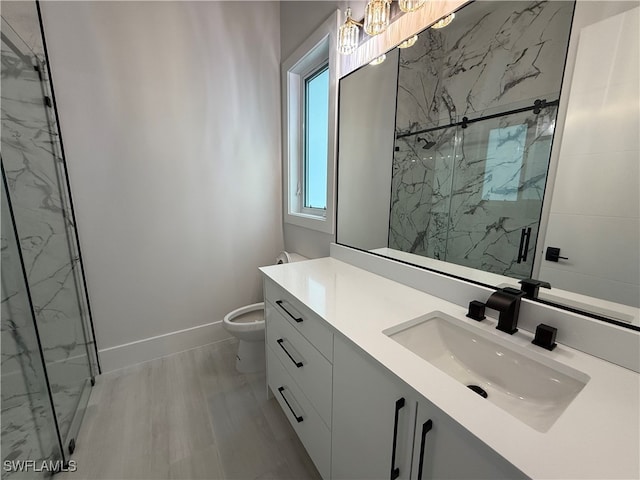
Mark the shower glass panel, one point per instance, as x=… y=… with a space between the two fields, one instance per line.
x=421 y=186
x=28 y=426
x=472 y=195
x=37 y=191
x=500 y=174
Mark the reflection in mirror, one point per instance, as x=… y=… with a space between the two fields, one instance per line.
x=445 y=147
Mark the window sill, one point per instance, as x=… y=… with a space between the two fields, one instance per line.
x=312 y=222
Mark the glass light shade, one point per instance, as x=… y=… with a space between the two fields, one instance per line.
x=410 y=5
x=378 y=60
x=348 y=35
x=443 y=22
x=376 y=16
x=409 y=42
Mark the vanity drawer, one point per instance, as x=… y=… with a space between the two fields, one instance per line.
x=301 y=317
x=311 y=371
x=310 y=428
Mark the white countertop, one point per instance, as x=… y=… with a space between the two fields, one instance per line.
x=597 y=436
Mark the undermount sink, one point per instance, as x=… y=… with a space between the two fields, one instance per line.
x=529 y=386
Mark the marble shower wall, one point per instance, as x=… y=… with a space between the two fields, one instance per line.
x=464 y=194
x=46 y=234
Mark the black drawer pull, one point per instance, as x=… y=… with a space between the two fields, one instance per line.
x=297 y=319
x=280 y=342
x=426 y=427
x=281 y=390
x=395 y=471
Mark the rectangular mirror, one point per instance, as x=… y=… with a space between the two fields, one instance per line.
x=450 y=159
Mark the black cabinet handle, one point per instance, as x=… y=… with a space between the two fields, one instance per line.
x=298 y=418
x=297 y=319
x=395 y=471
x=426 y=428
x=280 y=342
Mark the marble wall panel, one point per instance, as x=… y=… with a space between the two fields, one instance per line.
x=493 y=57
x=421 y=190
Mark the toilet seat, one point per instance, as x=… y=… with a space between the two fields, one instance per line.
x=245 y=329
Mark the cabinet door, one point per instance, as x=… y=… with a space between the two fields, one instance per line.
x=371 y=408
x=443 y=449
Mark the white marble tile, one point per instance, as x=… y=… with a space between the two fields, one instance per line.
x=599 y=64
x=583 y=174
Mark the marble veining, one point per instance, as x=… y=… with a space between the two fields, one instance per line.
x=494 y=56
x=31 y=156
x=464 y=194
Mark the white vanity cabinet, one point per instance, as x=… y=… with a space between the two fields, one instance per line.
x=444 y=449
x=371 y=408
x=375 y=414
x=299 y=349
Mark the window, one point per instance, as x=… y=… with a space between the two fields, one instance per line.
x=503 y=167
x=309 y=123
x=316 y=140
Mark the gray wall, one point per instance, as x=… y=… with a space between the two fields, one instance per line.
x=167 y=112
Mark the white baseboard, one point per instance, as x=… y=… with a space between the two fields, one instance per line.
x=120 y=356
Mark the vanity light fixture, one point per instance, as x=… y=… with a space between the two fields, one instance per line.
x=410 y=5
x=376 y=16
x=348 y=35
x=409 y=42
x=443 y=22
x=378 y=60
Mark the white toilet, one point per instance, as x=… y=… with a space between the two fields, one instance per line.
x=247 y=325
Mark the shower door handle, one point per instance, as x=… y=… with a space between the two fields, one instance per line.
x=525 y=236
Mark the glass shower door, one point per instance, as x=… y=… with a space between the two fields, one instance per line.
x=43 y=221
x=28 y=427
x=499 y=181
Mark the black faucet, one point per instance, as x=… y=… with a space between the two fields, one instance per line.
x=507 y=302
x=530 y=287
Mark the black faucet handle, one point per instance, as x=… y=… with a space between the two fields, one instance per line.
x=531 y=286
x=476 y=310
x=545 y=336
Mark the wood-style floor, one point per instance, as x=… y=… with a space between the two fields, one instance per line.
x=188 y=416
